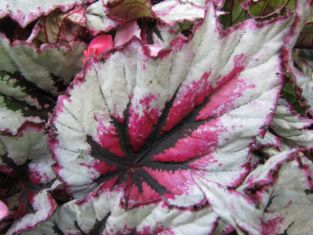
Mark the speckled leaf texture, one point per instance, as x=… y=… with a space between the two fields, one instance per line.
x=42 y=66
x=154 y=126
x=26 y=162
x=172 y=123
x=32 y=74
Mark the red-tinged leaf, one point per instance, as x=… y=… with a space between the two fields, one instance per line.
x=44 y=207
x=156 y=123
x=26 y=165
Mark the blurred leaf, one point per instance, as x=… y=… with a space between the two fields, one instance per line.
x=234 y=13
x=305 y=39
x=127 y=10
x=237 y=11
x=292 y=94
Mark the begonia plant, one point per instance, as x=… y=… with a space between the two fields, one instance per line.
x=156 y=117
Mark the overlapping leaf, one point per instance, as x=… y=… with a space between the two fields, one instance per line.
x=281 y=188
x=294 y=129
x=25 y=12
x=304 y=76
x=162 y=134
x=107 y=15
x=26 y=160
x=152 y=125
x=45 y=66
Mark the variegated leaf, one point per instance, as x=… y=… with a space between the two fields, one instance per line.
x=153 y=123
x=43 y=66
x=294 y=129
